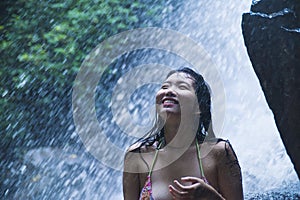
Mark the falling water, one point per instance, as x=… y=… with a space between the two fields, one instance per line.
x=73 y=172
x=249 y=123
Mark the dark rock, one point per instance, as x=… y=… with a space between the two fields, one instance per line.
x=273 y=6
x=272 y=36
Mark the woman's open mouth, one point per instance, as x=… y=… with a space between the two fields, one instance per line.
x=166 y=102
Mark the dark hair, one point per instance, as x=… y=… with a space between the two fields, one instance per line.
x=156 y=134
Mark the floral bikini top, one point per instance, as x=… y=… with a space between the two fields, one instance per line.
x=146 y=193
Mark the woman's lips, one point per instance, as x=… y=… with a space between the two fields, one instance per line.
x=169 y=102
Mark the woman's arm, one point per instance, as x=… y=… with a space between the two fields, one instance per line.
x=229 y=172
x=131 y=181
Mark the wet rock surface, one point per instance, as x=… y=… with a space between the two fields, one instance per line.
x=271 y=33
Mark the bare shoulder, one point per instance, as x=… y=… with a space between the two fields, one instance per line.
x=222 y=149
x=222 y=146
x=134 y=152
x=136 y=158
x=227 y=158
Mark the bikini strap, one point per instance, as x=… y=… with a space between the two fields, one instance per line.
x=199 y=159
x=154 y=160
x=198 y=154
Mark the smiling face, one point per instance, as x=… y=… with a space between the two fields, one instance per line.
x=177 y=96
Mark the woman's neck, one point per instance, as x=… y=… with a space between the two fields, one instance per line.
x=179 y=135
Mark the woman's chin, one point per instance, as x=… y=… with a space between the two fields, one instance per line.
x=169 y=114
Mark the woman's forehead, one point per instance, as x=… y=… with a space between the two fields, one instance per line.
x=181 y=77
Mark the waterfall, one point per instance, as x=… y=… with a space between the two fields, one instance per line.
x=83 y=172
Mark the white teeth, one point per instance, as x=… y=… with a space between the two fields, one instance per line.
x=169 y=101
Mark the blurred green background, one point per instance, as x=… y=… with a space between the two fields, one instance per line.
x=43 y=44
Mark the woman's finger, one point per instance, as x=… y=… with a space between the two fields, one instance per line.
x=177 y=194
x=179 y=185
x=186 y=187
x=191 y=179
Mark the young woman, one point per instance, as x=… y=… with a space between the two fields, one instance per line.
x=178 y=159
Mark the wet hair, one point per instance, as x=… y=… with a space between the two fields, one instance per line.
x=156 y=134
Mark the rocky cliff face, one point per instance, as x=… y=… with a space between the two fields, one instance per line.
x=271 y=32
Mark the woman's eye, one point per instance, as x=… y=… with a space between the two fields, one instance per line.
x=184 y=87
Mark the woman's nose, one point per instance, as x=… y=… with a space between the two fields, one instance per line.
x=169 y=92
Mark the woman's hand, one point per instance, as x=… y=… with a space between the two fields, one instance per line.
x=197 y=189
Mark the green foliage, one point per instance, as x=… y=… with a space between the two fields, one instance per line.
x=43 y=44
